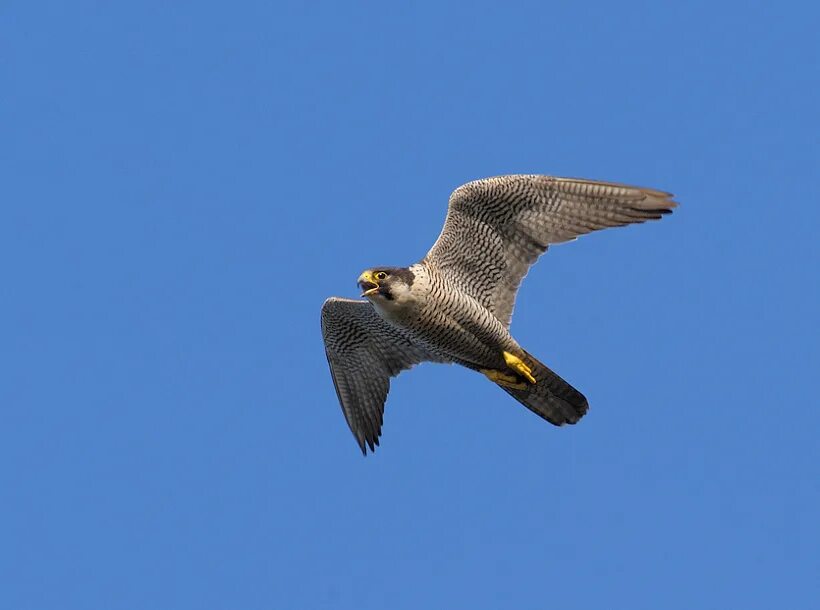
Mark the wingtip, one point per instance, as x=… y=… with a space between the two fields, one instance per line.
x=365 y=443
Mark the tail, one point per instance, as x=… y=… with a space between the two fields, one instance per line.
x=550 y=397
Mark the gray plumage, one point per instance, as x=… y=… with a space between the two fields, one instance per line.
x=456 y=304
x=364 y=352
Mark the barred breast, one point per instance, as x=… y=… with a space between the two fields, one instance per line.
x=452 y=324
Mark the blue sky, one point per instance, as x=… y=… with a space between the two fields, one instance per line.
x=183 y=184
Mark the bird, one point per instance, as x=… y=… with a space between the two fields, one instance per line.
x=455 y=305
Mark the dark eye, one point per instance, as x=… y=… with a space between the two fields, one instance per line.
x=381 y=275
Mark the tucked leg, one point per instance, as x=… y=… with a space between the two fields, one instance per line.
x=504 y=379
x=516 y=364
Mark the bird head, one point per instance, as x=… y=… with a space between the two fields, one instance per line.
x=385 y=283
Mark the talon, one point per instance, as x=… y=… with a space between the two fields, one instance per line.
x=503 y=379
x=519 y=367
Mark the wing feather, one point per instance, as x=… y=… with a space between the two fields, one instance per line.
x=496 y=228
x=363 y=352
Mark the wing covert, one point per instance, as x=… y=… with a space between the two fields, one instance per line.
x=496 y=228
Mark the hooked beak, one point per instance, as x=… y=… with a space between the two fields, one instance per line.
x=368 y=284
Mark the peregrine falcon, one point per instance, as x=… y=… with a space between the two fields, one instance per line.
x=455 y=305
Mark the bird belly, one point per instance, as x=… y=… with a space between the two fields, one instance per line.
x=470 y=336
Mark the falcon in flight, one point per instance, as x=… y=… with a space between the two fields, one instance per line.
x=455 y=305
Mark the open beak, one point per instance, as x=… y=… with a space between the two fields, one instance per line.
x=368 y=284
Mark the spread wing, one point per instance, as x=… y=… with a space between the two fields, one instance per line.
x=364 y=352
x=496 y=228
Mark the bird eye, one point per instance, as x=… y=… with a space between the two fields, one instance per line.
x=381 y=275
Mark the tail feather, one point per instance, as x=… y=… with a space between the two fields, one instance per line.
x=550 y=397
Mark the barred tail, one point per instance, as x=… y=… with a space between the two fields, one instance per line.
x=550 y=397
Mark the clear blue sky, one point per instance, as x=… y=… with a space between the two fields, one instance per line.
x=183 y=184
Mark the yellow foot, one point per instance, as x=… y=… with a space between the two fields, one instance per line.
x=510 y=381
x=519 y=367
